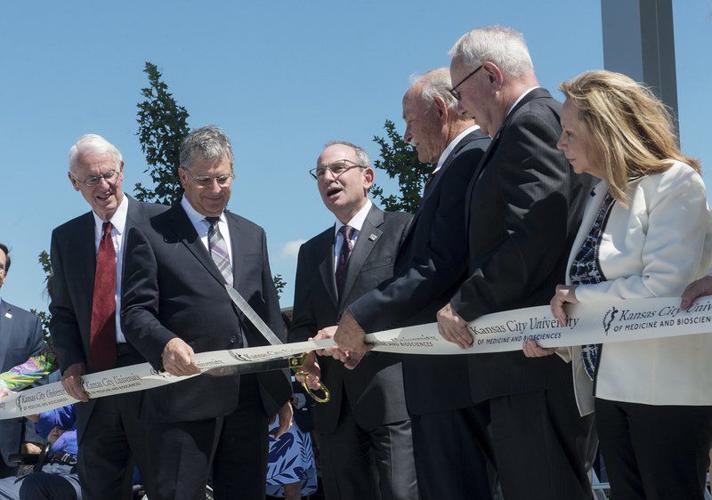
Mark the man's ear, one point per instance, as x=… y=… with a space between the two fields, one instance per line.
x=494 y=74
x=73 y=182
x=368 y=177
x=441 y=107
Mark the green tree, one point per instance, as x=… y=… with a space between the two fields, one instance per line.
x=162 y=126
x=400 y=160
x=43 y=259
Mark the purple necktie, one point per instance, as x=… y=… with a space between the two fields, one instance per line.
x=343 y=262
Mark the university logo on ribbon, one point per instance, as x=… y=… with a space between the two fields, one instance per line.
x=608 y=318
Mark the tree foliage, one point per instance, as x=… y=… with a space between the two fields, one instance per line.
x=162 y=126
x=400 y=160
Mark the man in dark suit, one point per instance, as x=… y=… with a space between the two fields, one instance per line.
x=175 y=304
x=87 y=255
x=20 y=338
x=524 y=205
x=364 y=428
x=430 y=266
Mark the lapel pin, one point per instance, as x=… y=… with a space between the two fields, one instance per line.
x=8 y=315
x=372 y=237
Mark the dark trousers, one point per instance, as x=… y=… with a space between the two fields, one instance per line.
x=113 y=440
x=55 y=482
x=654 y=452
x=233 y=448
x=374 y=464
x=448 y=457
x=539 y=444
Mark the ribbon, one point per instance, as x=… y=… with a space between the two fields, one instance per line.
x=600 y=323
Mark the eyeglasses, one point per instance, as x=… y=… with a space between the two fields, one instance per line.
x=205 y=181
x=94 y=180
x=337 y=168
x=456 y=93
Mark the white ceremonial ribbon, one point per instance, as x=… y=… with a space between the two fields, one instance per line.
x=615 y=321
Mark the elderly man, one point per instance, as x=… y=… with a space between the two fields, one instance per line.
x=175 y=304
x=21 y=342
x=429 y=267
x=87 y=257
x=524 y=206
x=364 y=438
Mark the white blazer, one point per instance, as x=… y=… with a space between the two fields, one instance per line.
x=654 y=247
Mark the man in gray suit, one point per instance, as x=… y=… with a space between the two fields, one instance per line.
x=20 y=338
x=364 y=431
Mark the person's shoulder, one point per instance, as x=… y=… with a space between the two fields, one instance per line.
x=72 y=225
x=242 y=223
x=678 y=177
x=18 y=313
x=150 y=209
x=397 y=217
x=318 y=241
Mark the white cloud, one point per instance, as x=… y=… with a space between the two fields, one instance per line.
x=291 y=249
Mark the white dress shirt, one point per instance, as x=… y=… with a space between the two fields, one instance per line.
x=202 y=226
x=356 y=222
x=453 y=144
x=118 y=230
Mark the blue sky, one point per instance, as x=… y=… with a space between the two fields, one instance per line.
x=280 y=77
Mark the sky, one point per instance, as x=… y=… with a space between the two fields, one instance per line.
x=281 y=78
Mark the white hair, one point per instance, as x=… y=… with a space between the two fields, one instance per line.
x=92 y=143
x=360 y=153
x=503 y=46
x=435 y=83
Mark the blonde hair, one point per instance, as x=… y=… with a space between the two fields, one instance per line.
x=630 y=129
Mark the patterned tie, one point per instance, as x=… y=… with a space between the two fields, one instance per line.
x=343 y=263
x=428 y=183
x=102 y=329
x=218 y=249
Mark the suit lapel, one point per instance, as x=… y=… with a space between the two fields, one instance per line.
x=4 y=308
x=367 y=238
x=186 y=233
x=238 y=247
x=326 y=267
x=86 y=248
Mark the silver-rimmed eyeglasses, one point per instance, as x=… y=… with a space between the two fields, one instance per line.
x=337 y=168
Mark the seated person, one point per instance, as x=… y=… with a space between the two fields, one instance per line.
x=59 y=478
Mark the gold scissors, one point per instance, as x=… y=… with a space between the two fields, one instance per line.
x=296 y=363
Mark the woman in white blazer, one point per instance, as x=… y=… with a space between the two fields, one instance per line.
x=645 y=233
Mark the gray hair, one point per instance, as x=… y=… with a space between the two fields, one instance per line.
x=503 y=46
x=360 y=153
x=208 y=143
x=92 y=143
x=435 y=83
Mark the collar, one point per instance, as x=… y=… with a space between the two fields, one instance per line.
x=196 y=217
x=453 y=144
x=524 y=94
x=357 y=220
x=118 y=220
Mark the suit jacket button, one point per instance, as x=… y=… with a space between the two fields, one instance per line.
x=233 y=339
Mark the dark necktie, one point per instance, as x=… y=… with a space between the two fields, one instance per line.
x=342 y=263
x=102 y=330
x=218 y=249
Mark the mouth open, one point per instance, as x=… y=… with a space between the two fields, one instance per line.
x=333 y=191
x=105 y=196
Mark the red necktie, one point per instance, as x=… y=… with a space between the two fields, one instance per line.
x=102 y=332
x=342 y=263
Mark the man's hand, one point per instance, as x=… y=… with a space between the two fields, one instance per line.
x=350 y=338
x=453 y=328
x=533 y=350
x=564 y=295
x=72 y=381
x=177 y=358
x=4 y=391
x=285 y=414
x=310 y=372
x=695 y=290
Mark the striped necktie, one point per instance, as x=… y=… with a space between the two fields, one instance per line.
x=218 y=249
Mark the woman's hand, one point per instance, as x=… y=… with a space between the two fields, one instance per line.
x=564 y=294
